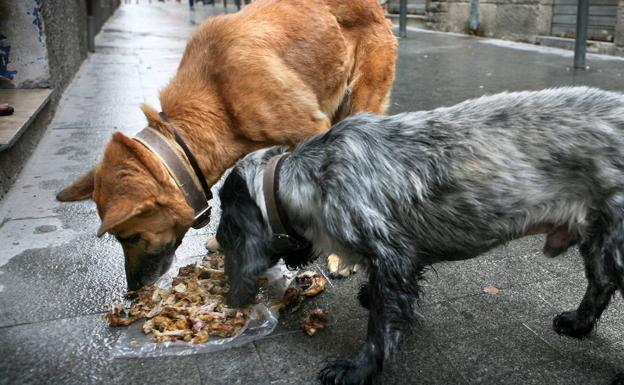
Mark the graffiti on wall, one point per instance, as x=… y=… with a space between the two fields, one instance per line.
x=5 y=52
x=36 y=13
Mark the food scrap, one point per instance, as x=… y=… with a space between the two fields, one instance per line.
x=192 y=310
x=311 y=283
x=306 y=284
x=314 y=320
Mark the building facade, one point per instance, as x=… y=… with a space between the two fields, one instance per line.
x=523 y=20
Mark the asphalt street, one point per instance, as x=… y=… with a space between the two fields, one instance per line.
x=57 y=278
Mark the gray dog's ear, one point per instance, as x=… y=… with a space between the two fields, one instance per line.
x=245 y=240
x=80 y=190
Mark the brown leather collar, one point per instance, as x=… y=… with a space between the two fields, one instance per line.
x=285 y=238
x=186 y=174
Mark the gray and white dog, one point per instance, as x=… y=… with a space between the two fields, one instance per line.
x=397 y=194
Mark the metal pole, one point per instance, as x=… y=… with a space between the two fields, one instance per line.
x=91 y=33
x=238 y=4
x=403 y=18
x=580 y=45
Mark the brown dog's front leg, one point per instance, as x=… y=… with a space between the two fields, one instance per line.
x=212 y=244
x=338 y=268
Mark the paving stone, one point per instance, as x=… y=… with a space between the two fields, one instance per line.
x=67 y=351
x=562 y=293
x=563 y=344
x=297 y=358
x=550 y=373
x=178 y=370
x=518 y=303
x=422 y=366
x=233 y=366
x=484 y=356
x=455 y=279
x=484 y=312
x=440 y=321
x=511 y=271
x=80 y=277
x=599 y=366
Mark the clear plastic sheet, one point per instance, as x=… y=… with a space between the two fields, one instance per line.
x=261 y=322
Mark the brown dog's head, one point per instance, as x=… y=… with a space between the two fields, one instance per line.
x=138 y=203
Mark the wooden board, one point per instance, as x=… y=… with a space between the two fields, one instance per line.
x=27 y=104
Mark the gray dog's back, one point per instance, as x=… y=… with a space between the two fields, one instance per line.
x=479 y=173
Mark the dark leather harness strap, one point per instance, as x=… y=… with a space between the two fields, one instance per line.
x=270 y=186
x=191 y=158
x=285 y=238
x=187 y=178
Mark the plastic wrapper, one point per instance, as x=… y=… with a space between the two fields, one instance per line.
x=261 y=321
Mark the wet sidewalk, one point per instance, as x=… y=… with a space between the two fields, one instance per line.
x=56 y=277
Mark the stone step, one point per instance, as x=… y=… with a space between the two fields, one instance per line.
x=417 y=21
x=27 y=104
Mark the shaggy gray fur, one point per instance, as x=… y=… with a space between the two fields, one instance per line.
x=402 y=192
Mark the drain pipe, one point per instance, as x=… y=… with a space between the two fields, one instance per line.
x=91 y=33
x=474 y=16
x=90 y=27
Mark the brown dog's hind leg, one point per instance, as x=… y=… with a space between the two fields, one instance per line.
x=373 y=73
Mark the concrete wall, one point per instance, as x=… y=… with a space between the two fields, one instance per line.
x=23 y=52
x=101 y=11
x=66 y=35
x=43 y=42
x=516 y=19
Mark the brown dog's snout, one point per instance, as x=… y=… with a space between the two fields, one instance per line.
x=148 y=271
x=134 y=283
x=145 y=268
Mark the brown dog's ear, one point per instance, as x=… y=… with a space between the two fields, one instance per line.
x=119 y=213
x=80 y=190
x=153 y=117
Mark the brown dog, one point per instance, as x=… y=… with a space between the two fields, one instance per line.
x=274 y=74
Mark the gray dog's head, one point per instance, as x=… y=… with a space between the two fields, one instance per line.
x=244 y=233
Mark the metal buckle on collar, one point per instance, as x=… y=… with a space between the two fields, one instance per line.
x=202 y=219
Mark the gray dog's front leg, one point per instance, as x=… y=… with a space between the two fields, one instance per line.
x=391 y=309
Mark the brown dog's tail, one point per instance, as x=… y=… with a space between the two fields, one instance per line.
x=356 y=12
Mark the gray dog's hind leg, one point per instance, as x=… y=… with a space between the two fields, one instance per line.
x=602 y=256
x=619 y=380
